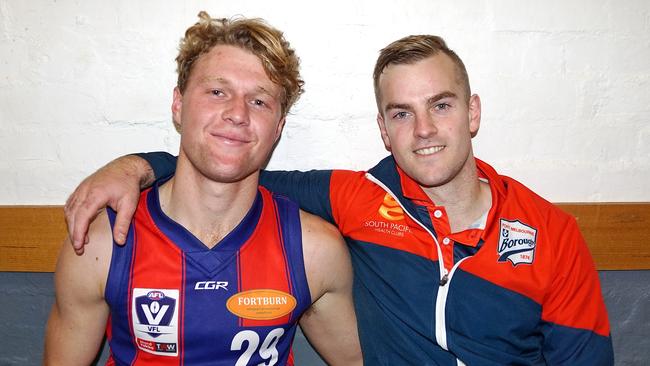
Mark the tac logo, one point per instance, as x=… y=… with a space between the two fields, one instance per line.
x=517 y=242
x=390 y=209
x=155 y=320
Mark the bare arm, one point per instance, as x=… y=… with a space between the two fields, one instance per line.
x=116 y=185
x=330 y=323
x=78 y=318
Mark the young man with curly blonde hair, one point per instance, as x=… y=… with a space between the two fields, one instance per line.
x=215 y=270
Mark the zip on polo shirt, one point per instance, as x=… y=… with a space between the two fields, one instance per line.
x=445 y=277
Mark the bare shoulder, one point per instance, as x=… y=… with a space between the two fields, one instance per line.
x=90 y=269
x=314 y=227
x=100 y=244
x=320 y=238
x=327 y=260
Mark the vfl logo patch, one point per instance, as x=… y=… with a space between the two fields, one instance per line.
x=155 y=320
x=390 y=209
x=517 y=242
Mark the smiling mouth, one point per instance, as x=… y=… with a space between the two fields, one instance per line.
x=429 y=150
x=230 y=139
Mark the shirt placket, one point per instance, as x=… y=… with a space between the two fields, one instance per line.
x=440 y=222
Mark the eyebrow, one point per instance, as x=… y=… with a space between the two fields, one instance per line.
x=431 y=100
x=208 y=79
x=390 y=106
x=263 y=90
x=225 y=81
x=443 y=95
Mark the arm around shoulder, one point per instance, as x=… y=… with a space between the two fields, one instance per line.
x=116 y=185
x=77 y=321
x=330 y=323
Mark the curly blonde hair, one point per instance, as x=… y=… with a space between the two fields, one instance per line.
x=254 y=35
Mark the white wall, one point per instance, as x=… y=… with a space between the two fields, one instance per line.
x=565 y=86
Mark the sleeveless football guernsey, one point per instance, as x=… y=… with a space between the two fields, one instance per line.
x=174 y=301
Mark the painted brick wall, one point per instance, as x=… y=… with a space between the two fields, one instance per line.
x=565 y=86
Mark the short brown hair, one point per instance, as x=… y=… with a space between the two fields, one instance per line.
x=412 y=49
x=279 y=60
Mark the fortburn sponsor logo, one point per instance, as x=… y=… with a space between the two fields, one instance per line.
x=261 y=304
x=517 y=242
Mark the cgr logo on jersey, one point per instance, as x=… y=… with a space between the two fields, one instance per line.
x=211 y=285
x=155 y=320
x=517 y=242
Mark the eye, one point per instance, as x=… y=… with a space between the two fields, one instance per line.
x=400 y=115
x=442 y=107
x=259 y=102
x=216 y=92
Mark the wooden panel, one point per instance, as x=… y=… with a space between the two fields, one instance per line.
x=617 y=234
x=30 y=237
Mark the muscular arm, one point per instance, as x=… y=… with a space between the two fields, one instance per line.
x=77 y=321
x=330 y=323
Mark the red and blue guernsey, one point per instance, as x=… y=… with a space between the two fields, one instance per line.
x=173 y=301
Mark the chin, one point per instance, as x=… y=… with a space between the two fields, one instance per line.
x=229 y=175
x=429 y=181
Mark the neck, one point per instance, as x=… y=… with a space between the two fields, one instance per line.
x=465 y=197
x=207 y=209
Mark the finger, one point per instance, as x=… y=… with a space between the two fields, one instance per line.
x=83 y=215
x=70 y=210
x=123 y=221
x=79 y=251
x=69 y=218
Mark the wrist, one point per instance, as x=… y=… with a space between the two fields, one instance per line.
x=138 y=168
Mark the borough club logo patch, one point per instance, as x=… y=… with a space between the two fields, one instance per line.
x=517 y=242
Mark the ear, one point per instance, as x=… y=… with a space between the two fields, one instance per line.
x=177 y=107
x=382 y=129
x=278 y=130
x=474 y=114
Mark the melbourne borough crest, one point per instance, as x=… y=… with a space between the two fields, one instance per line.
x=517 y=242
x=155 y=320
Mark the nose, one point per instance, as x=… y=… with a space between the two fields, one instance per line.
x=236 y=111
x=425 y=126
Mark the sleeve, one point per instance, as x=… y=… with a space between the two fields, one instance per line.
x=576 y=327
x=162 y=163
x=310 y=190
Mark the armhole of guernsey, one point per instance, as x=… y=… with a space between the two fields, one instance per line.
x=116 y=292
x=121 y=258
x=292 y=234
